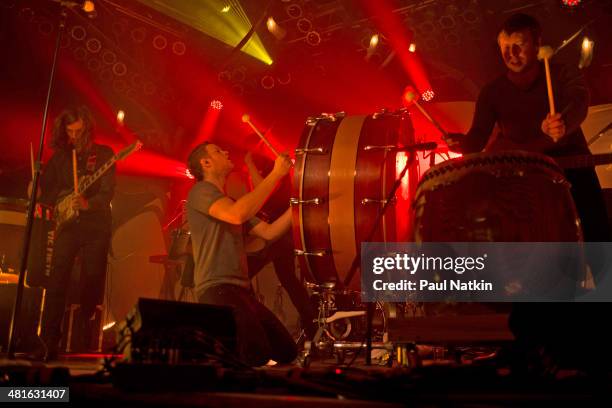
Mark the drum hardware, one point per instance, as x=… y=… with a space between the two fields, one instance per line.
x=296 y=201
x=382 y=112
x=299 y=252
x=330 y=117
x=335 y=324
x=315 y=150
x=379 y=217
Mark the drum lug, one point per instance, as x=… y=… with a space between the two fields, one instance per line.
x=315 y=150
x=296 y=201
x=299 y=252
x=375 y=201
x=330 y=117
x=381 y=112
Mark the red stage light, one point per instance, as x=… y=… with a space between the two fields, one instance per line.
x=409 y=96
x=571 y=3
x=428 y=95
x=216 y=104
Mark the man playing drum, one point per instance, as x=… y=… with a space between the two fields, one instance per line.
x=517 y=102
x=218 y=225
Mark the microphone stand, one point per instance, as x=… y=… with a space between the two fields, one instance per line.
x=25 y=249
x=381 y=213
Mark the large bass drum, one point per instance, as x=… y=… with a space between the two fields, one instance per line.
x=511 y=196
x=344 y=170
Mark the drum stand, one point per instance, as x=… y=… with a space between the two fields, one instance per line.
x=324 y=343
x=375 y=226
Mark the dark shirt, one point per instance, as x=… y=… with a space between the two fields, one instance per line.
x=519 y=111
x=57 y=181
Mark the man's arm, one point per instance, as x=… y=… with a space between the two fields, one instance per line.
x=237 y=212
x=271 y=232
x=482 y=125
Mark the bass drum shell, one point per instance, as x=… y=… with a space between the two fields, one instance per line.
x=342 y=175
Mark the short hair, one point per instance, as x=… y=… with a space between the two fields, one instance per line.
x=193 y=161
x=521 y=21
x=70 y=115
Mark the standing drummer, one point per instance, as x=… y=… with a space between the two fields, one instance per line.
x=517 y=102
x=218 y=226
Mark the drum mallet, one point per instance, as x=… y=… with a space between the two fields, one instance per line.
x=247 y=119
x=411 y=97
x=545 y=53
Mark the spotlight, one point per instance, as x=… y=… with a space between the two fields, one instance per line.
x=226 y=9
x=428 y=95
x=120 y=117
x=108 y=326
x=372 y=46
x=88 y=6
x=270 y=23
x=412 y=47
x=587 y=44
x=274 y=29
x=586 y=52
x=216 y=104
x=374 y=41
x=571 y=3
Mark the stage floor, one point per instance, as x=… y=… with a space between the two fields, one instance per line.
x=437 y=382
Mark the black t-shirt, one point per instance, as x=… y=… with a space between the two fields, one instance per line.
x=519 y=113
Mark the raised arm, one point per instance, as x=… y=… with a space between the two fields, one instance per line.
x=237 y=212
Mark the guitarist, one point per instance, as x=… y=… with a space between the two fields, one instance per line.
x=88 y=235
x=517 y=103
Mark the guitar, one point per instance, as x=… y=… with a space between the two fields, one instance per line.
x=64 y=213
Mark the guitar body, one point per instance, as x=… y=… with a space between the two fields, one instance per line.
x=64 y=213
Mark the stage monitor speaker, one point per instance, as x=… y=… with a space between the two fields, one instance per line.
x=176 y=332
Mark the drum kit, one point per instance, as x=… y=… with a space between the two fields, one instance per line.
x=344 y=193
x=345 y=170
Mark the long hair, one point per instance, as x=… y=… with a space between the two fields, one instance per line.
x=70 y=115
x=193 y=162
